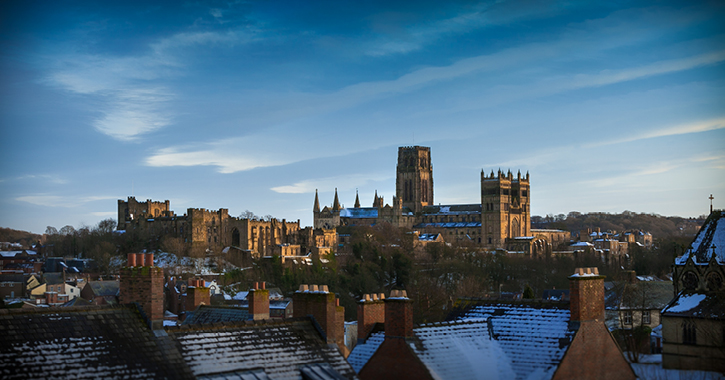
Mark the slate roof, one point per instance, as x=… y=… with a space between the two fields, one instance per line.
x=711 y=234
x=105 y=288
x=78 y=301
x=87 y=343
x=281 y=349
x=53 y=278
x=359 y=212
x=515 y=340
x=696 y=305
x=452 y=209
x=649 y=295
x=449 y=225
x=215 y=314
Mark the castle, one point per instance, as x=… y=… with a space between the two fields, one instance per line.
x=501 y=221
x=212 y=230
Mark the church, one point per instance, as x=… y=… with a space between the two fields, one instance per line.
x=501 y=221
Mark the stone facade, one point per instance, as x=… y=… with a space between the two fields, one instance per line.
x=211 y=230
x=501 y=221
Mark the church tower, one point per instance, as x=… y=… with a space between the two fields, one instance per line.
x=505 y=208
x=414 y=177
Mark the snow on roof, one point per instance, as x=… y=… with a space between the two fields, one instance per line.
x=449 y=225
x=279 y=349
x=469 y=352
x=364 y=351
x=359 y=212
x=711 y=235
x=686 y=302
x=696 y=305
x=582 y=244
x=533 y=337
x=656 y=372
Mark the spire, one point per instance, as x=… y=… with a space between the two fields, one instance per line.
x=357 y=200
x=336 y=203
x=316 y=207
x=375 y=200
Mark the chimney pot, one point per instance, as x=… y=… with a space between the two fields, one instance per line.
x=404 y=294
x=264 y=284
x=313 y=288
x=381 y=296
x=375 y=297
x=303 y=288
x=337 y=302
x=366 y=297
x=150 y=260
x=589 y=270
x=256 y=285
x=324 y=288
x=131 y=260
x=596 y=271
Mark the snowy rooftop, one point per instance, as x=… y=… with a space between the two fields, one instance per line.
x=696 y=305
x=470 y=209
x=359 y=212
x=428 y=237
x=711 y=237
x=88 y=343
x=449 y=225
x=500 y=340
x=278 y=350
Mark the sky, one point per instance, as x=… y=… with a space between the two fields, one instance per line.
x=254 y=105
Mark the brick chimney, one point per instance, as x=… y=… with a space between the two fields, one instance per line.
x=196 y=294
x=259 y=302
x=586 y=295
x=143 y=283
x=398 y=315
x=370 y=310
x=318 y=302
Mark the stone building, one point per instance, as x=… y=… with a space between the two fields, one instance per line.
x=501 y=221
x=211 y=230
x=693 y=323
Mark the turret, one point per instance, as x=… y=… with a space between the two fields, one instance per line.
x=357 y=200
x=336 y=203
x=316 y=207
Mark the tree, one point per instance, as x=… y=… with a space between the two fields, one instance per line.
x=67 y=230
x=50 y=230
x=106 y=226
x=528 y=292
x=248 y=215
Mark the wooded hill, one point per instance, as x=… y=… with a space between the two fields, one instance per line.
x=25 y=238
x=659 y=226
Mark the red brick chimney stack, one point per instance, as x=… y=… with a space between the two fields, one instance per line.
x=143 y=283
x=259 y=302
x=586 y=294
x=398 y=315
x=196 y=294
x=370 y=310
x=318 y=302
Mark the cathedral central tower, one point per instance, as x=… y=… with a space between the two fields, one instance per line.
x=414 y=177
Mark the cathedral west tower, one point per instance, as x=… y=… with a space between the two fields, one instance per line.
x=414 y=177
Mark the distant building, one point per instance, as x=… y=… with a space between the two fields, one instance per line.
x=501 y=221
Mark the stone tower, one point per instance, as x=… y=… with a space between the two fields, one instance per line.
x=414 y=177
x=505 y=208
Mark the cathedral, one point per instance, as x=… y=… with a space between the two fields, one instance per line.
x=501 y=221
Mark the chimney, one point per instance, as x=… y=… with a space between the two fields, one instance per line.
x=369 y=312
x=259 y=302
x=317 y=302
x=586 y=295
x=196 y=294
x=398 y=315
x=143 y=283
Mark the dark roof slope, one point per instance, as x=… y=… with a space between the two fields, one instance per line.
x=105 y=288
x=280 y=349
x=100 y=342
x=215 y=314
x=708 y=241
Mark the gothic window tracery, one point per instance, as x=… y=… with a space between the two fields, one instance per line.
x=689 y=281
x=714 y=282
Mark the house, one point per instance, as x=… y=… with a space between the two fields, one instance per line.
x=492 y=339
x=634 y=303
x=12 y=285
x=693 y=323
x=125 y=341
x=101 y=292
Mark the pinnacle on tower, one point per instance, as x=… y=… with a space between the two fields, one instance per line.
x=316 y=208
x=336 y=203
x=375 y=200
x=357 y=200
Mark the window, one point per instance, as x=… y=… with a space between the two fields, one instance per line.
x=628 y=318
x=646 y=318
x=689 y=333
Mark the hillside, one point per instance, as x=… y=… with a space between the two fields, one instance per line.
x=659 y=226
x=25 y=238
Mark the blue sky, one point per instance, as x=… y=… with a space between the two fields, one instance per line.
x=252 y=106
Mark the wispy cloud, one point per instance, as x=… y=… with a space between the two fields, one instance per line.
x=348 y=182
x=682 y=129
x=48 y=178
x=131 y=87
x=48 y=200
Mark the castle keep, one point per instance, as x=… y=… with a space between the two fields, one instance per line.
x=501 y=221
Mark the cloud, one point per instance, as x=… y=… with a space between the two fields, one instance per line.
x=682 y=129
x=105 y=213
x=228 y=161
x=342 y=183
x=135 y=101
x=60 y=201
